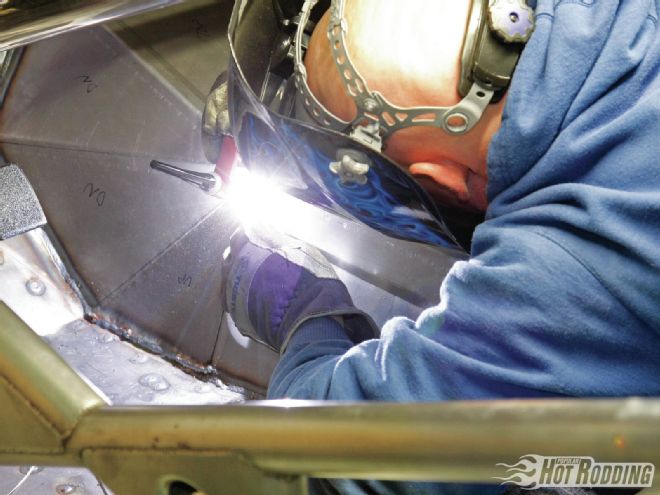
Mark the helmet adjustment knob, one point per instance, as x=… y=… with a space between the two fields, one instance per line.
x=511 y=20
x=349 y=168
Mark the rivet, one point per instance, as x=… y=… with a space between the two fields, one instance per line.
x=370 y=104
x=154 y=381
x=35 y=287
x=139 y=358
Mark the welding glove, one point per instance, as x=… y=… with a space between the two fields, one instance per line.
x=274 y=283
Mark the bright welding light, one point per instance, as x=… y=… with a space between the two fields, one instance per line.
x=258 y=200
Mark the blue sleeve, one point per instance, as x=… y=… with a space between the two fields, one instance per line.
x=524 y=319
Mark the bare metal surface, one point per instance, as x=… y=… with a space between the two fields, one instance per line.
x=130 y=376
x=24 y=264
x=121 y=372
x=86 y=147
x=49 y=481
x=185 y=44
x=25 y=21
x=86 y=91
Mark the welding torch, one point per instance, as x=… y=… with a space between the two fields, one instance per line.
x=209 y=182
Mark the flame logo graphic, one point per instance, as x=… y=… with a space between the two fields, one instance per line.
x=524 y=473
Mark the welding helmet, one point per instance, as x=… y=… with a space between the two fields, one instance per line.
x=283 y=132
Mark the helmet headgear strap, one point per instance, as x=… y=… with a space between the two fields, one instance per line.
x=495 y=34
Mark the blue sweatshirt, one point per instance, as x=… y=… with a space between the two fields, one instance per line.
x=561 y=295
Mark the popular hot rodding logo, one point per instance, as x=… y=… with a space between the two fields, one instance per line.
x=537 y=471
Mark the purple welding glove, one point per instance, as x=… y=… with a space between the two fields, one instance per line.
x=273 y=283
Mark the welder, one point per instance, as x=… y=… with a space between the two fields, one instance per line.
x=371 y=99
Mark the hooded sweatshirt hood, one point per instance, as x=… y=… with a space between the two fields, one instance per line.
x=577 y=158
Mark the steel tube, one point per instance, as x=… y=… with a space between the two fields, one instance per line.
x=25 y=21
x=453 y=441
